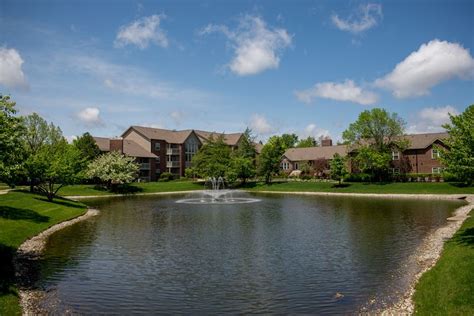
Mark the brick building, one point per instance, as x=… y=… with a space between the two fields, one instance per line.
x=161 y=150
x=421 y=156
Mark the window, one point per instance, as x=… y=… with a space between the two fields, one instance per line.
x=157 y=146
x=285 y=165
x=296 y=166
x=395 y=155
x=436 y=170
x=395 y=170
x=157 y=160
x=434 y=153
x=190 y=149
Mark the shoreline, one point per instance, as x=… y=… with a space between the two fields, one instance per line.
x=427 y=196
x=26 y=258
x=428 y=254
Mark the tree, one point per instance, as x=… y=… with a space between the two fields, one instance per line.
x=88 y=149
x=310 y=141
x=376 y=127
x=268 y=162
x=246 y=147
x=212 y=159
x=11 y=151
x=37 y=134
x=57 y=167
x=338 y=168
x=241 y=168
x=113 y=169
x=459 y=159
x=373 y=136
x=289 y=140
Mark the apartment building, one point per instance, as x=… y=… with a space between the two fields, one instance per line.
x=161 y=150
x=421 y=155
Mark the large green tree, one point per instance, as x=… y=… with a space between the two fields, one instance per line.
x=212 y=159
x=56 y=167
x=373 y=136
x=309 y=141
x=113 y=169
x=11 y=151
x=268 y=162
x=37 y=134
x=87 y=148
x=459 y=158
x=246 y=146
x=289 y=140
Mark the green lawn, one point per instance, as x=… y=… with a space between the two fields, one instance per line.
x=448 y=288
x=411 y=188
x=23 y=215
x=145 y=187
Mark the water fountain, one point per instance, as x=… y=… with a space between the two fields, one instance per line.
x=218 y=194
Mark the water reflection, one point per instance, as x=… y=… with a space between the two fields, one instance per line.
x=284 y=254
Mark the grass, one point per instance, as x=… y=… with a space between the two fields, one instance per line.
x=448 y=288
x=145 y=187
x=293 y=186
x=24 y=215
x=357 y=187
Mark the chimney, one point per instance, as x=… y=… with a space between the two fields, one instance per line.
x=326 y=142
x=116 y=145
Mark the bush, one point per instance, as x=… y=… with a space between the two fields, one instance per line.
x=358 y=177
x=166 y=176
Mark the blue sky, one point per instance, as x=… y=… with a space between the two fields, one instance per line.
x=308 y=67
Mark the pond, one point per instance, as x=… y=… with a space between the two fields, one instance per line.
x=286 y=253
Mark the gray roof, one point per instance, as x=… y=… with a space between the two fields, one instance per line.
x=421 y=141
x=132 y=149
x=313 y=153
x=103 y=143
x=179 y=137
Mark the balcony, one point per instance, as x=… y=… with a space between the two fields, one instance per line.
x=172 y=151
x=172 y=164
x=145 y=166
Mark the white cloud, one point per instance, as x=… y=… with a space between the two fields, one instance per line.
x=11 y=74
x=256 y=47
x=132 y=80
x=345 y=91
x=90 y=117
x=260 y=125
x=177 y=116
x=314 y=131
x=366 y=17
x=430 y=119
x=143 y=31
x=431 y=64
x=70 y=138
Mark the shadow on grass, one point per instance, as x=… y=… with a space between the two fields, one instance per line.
x=465 y=238
x=60 y=201
x=119 y=189
x=459 y=185
x=340 y=186
x=15 y=213
x=7 y=271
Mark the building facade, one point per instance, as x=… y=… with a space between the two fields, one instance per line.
x=421 y=155
x=161 y=150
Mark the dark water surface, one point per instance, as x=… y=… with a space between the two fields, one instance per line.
x=285 y=254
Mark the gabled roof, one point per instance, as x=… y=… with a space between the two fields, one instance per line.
x=179 y=137
x=313 y=153
x=229 y=139
x=103 y=143
x=132 y=149
x=421 y=141
x=172 y=137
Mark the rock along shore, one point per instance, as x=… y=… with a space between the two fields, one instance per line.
x=26 y=263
